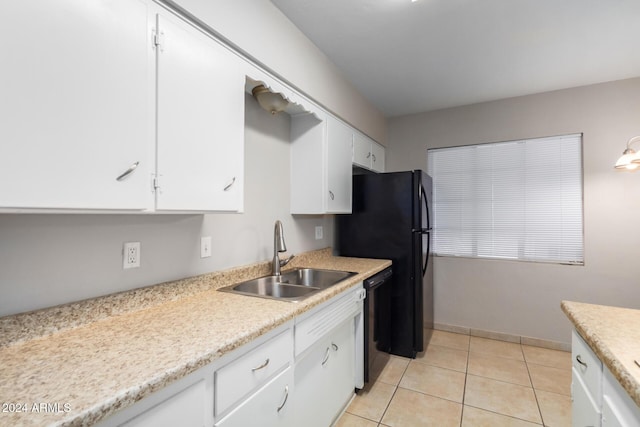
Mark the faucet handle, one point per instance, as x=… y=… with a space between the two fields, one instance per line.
x=286 y=261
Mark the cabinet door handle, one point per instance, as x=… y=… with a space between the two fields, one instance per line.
x=128 y=172
x=331 y=195
x=233 y=181
x=286 y=396
x=374 y=157
x=335 y=347
x=264 y=365
x=579 y=359
x=326 y=357
x=368 y=154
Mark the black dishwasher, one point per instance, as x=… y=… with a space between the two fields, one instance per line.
x=377 y=318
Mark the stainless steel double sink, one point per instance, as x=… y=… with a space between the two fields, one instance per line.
x=293 y=285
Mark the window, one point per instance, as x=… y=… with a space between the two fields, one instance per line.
x=517 y=200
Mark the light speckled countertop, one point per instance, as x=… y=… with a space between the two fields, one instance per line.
x=613 y=333
x=102 y=355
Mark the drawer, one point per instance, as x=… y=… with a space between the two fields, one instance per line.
x=243 y=375
x=312 y=328
x=587 y=367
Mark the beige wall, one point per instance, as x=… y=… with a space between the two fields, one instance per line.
x=259 y=29
x=524 y=298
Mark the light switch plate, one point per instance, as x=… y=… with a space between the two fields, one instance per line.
x=205 y=247
x=319 y=232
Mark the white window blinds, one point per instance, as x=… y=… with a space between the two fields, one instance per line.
x=515 y=200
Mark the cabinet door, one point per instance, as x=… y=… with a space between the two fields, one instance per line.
x=324 y=378
x=74 y=104
x=377 y=157
x=200 y=141
x=362 y=151
x=268 y=407
x=584 y=410
x=339 y=153
x=185 y=409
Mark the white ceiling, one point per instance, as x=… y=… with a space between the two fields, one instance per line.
x=409 y=57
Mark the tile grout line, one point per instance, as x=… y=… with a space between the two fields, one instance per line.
x=397 y=386
x=466 y=375
x=535 y=395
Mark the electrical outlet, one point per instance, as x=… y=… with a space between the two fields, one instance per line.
x=319 y=232
x=205 y=247
x=131 y=255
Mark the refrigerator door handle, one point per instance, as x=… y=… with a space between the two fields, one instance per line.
x=425 y=202
x=426 y=259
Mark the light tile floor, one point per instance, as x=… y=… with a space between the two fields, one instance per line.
x=463 y=381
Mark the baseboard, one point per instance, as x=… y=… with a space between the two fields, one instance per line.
x=501 y=336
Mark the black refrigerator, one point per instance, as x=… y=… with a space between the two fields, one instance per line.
x=391 y=219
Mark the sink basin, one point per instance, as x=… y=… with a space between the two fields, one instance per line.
x=314 y=277
x=293 y=285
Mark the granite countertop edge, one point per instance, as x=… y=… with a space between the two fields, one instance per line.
x=48 y=336
x=594 y=324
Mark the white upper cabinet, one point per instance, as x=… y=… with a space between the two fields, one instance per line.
x=339 y=183
x=320 y=165
x=84 y=128
x=200 y=145
x=74 y=105
x=367 y=153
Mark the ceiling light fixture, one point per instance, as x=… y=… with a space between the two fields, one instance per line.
x=270 y=101
x=630 y=159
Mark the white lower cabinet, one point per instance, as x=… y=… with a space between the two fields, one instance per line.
x=301 y=374
x=597 y=397
x=270 y=406
x=324 y=378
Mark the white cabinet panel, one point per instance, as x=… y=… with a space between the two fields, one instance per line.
x=339 y=148
x=240 y=377
x=618 y=409
x=325 y=376
x=584 y=408
x=187 y=409
x=74 y=104
x=270 y=406
x=367 y=153
x=587 y=366
x=200 y=143
x=320 y=165
x=378 y=157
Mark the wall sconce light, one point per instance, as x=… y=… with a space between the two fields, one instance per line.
x=630 y=159
x=270 y=101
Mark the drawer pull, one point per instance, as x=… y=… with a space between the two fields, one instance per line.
x=326 y=357
x=335 y=347
x=331 y=195
x=264 y=365
x=286 y=396
x=579 y=359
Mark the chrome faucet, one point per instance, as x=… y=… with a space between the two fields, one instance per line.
x=278 y=246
